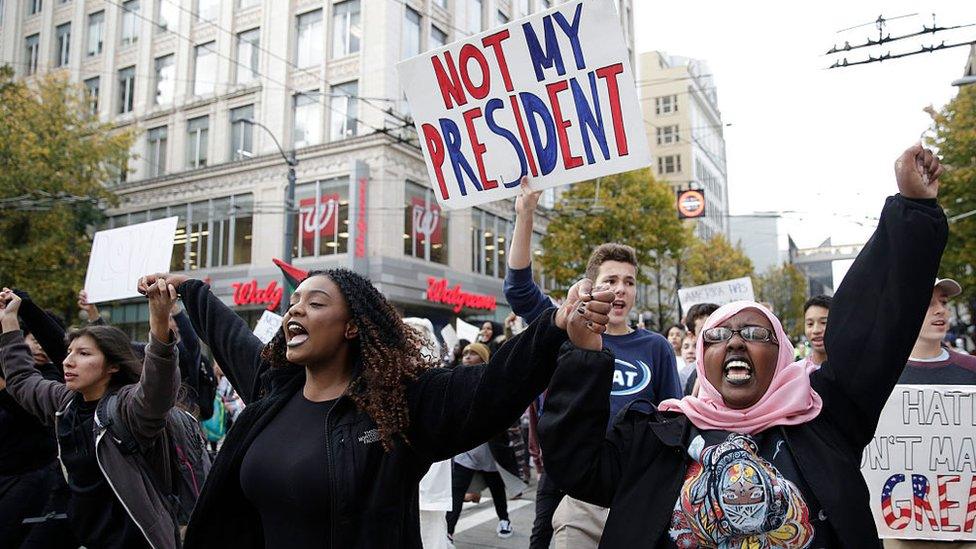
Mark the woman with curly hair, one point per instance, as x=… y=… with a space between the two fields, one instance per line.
x=345 y=414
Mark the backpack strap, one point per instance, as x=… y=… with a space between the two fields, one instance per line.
x=107 y=416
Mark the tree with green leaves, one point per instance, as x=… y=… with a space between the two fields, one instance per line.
x=955 y=137
x=714 y=260
x=630 y=208
x=785 y=288
x=57 y=158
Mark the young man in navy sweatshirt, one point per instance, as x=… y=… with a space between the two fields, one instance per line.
x=645 y=364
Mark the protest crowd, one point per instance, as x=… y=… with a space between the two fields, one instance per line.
x=736 y=439
x=345 y=423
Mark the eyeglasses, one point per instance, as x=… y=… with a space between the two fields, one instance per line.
x=756 y=334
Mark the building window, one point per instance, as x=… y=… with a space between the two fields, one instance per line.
x=502 y=18
x=309 y=42
x=241 y=132
x=63 y=33
x=425 y=225
x=167 y=15
x=33 y=48
x=206 y=10
x=322 y=227
x=197 y=132
x=130 y=26
x=204 y=69
x=441 y=3
x=669 y=164
x=475 y=16
x=437 y=37
x=667 y=135
x=34 y=7
x=96 y=31
x=666 y=104
x=411 y=34
x=165 y=83
x=346 y=31
x=210 y=233
x=91 y=93
x=242 y=4
x=231 y=215
x=489 y=240
x=127 y=89
x=248 y=44
x=307 y=116
x=344 y=110
x=156 y=139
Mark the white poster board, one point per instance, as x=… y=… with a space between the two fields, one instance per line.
x=551 y=96
x=267 y=326
x=719 y=293
x=467 y=331
x=120 y=256
x=450 y=337
x=921 y=464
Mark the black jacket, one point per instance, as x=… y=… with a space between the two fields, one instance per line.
x=374 y=493
x=638 y=468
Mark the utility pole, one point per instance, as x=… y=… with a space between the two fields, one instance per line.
x=290 y=211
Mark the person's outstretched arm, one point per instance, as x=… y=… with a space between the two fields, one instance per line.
x=25 y=383
x=878 y=309
x=48 y=333
x=526 y=298
x=144 y=408
x=234 y=346
x=581 y=457
x=455 y=410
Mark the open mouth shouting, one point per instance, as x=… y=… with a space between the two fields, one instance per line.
x=295 y=334
x=737 y=370
x=618 y=305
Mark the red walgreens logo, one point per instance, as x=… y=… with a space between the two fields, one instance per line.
x=439 y=292
x=248 y=293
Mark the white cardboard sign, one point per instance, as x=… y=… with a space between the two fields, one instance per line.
x=467 y=331
x=267 y=326
x=551 y=96
x=921 y=464
x=120 y=256
x=719 y=293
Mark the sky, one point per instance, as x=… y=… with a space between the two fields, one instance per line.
x=819 y=144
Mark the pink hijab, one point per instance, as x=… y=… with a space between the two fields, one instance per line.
x=790 y=400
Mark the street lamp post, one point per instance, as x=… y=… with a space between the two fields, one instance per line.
x=291 y=160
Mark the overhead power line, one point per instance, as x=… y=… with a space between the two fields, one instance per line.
x=888 y=56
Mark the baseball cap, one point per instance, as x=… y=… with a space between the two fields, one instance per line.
x=949 y=286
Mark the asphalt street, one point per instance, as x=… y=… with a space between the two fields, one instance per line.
x=476 y=528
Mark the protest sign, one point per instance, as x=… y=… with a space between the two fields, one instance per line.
x=718 y=293
x=467 y=331
x=449 y=336
x=921 y=464
x=120 y=256
x=551 y=96
x=268 y=325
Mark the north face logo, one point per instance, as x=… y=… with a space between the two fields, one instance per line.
x=369 y=437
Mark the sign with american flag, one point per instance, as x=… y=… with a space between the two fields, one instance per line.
x=921 y=464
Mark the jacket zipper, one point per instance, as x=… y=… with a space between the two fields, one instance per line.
x=116 y=492
x=328 y=461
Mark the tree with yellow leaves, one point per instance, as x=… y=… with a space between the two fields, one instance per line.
x=955 y=137
x=630 y=208
x=57 y=159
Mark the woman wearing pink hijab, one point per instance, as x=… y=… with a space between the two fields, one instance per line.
x=767 y=455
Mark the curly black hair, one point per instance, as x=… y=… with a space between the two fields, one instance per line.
x=386 y=351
